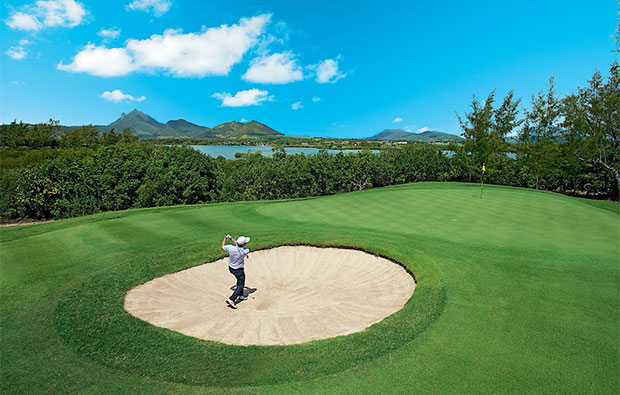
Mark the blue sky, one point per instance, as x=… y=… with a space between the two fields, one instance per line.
x=320 y=68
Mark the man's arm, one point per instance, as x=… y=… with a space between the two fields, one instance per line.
x=230 y=238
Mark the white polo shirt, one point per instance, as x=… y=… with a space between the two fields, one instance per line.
x=236 y=255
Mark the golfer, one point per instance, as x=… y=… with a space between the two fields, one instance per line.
x=237 y=254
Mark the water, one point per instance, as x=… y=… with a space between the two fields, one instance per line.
x=450 y=154
x=228 y=151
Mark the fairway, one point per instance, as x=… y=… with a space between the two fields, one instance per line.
x=516 y=292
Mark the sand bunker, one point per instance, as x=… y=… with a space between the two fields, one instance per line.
x=295 y=294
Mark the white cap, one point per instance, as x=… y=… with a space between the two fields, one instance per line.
x=241 y=240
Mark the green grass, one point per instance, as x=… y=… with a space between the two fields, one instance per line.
x=517 y=292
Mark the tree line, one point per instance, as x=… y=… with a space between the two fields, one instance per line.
x=49 y=135
x=568 y=145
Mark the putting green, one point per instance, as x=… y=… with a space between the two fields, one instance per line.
x=517 y=292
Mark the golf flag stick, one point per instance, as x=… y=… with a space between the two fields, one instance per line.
x=482 y=180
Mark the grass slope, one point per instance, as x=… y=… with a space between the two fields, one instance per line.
x=517 y=292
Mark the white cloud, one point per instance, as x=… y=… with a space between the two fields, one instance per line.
x=101 y=61
x=48 y=13
x=397 y=119
x=243 y=120
x=62 y=12
x=296 y=106
x=23 y=21
x=424 y=129
x=316 y=99
x=281 y=34
x=109 y=34
x=327 y=71
x=25 y=42
x=17 y=52
x=118 y=96
x=211 y=52
x=279 y=68
x=250 y=97
x=155 y=7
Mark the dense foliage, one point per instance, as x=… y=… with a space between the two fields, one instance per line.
x=569 y=145
x=115 y=178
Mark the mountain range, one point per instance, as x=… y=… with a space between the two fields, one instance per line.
x=144 y=125
x=428 y=136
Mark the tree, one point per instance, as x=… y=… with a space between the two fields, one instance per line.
x=13 y=135
x=362 y=169
x=538 y=140
x=504 y=122
x=476 y=127
x=178 y=175
x=42 y=134
x=592 y=123
x=485 y=130
x=83 y=136
x=120 y=170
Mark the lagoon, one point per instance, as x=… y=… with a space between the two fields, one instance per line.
x=228 y=151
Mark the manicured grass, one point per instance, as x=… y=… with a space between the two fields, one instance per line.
x=517 y=292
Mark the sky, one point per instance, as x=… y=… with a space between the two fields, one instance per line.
x=341 y=69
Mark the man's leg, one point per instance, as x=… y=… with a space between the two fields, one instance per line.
x=240 y=275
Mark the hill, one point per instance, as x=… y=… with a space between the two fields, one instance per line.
x=250 y=129
x=428 y=136
x=391 y=134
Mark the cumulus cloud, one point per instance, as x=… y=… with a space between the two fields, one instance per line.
x=212 y=52
x=279 y=68
x=397 y=119
x=424 y=129
x=316 y=99
x=250 y=97
x=118 y=96
x=296 y=106
x=109 y=34
x=17 y=52
x=154 y=7
x=101 y=61
x=48 y=13
x=327 y=71
x=23 y=21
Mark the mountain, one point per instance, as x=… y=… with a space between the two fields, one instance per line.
x=428 y=136
x=227 y=128
x=138 y=123
x=181 y=127
x=143 y=125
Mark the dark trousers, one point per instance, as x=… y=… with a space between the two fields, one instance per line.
x=240 y=275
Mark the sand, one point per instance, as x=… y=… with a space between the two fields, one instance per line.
x=295 y=295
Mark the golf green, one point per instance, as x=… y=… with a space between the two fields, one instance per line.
x=517 y=292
